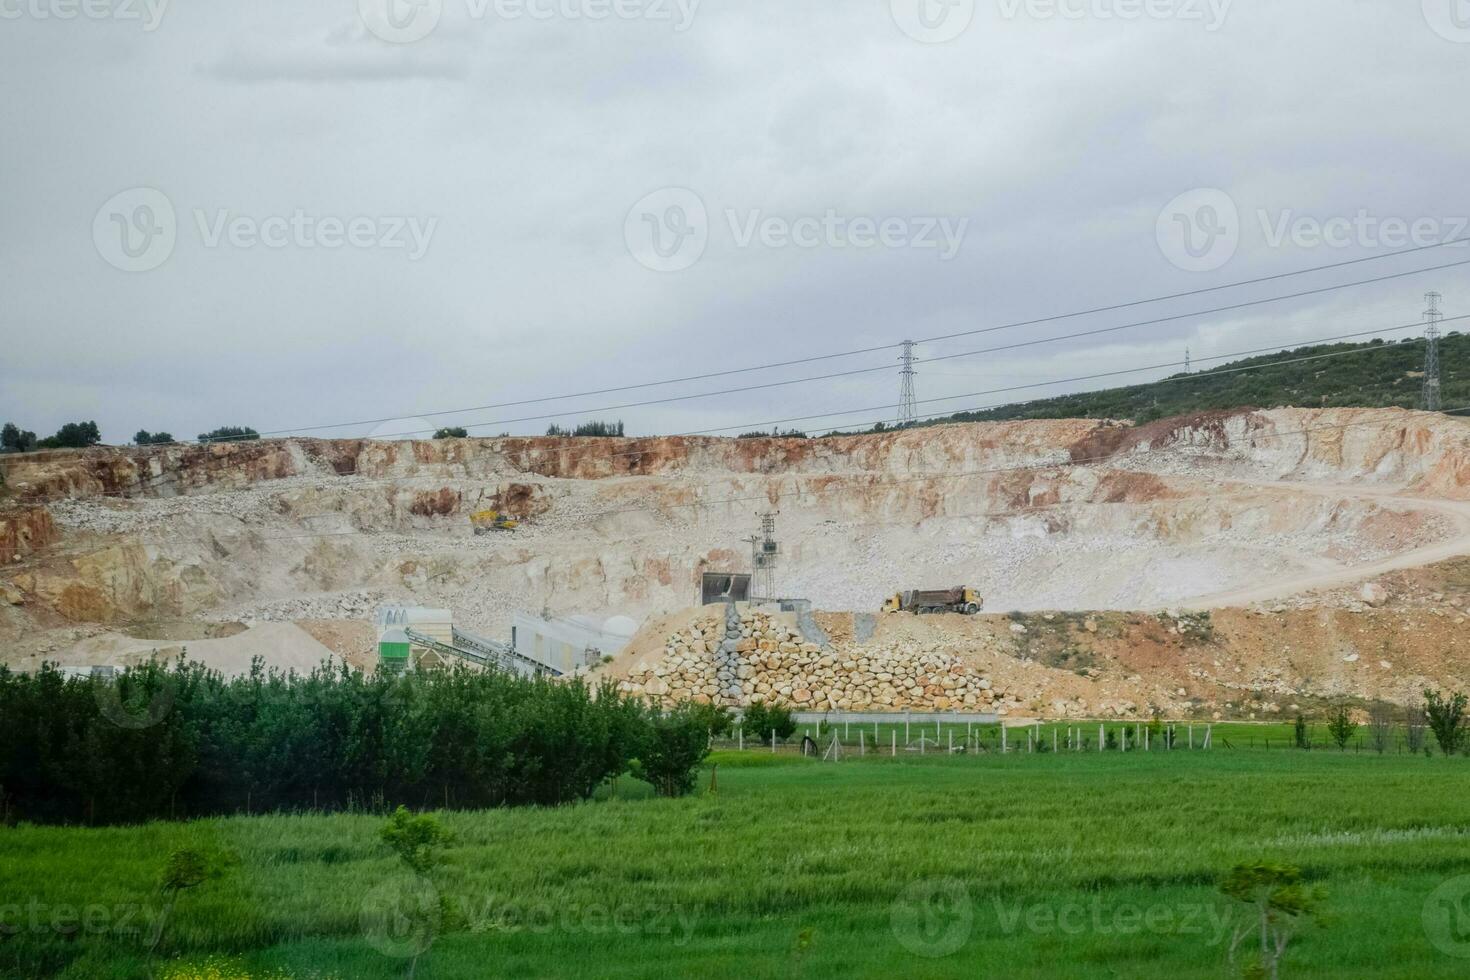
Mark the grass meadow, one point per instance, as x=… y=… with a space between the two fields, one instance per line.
x=1078 y=864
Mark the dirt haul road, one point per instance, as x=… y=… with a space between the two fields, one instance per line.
x=1458 y=544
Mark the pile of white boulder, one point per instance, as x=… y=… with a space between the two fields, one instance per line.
x=752 y=657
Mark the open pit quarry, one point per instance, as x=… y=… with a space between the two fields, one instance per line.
x=1232 y=564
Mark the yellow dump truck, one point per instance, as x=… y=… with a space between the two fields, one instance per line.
x=493 y=520
x=957 y=600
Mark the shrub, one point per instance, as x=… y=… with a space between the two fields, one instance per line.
x=675 y=746
x=1446 y=719
x=146 y=438
x=717 y=720
x=1341 y=726
x=454 y=432
x=761 y=719
x=229 y=433
x=1299 y=733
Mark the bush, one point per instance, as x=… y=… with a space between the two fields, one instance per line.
x=1446 y=719
x=146 y=438
x=229 y=433
x=454 y=432
x=761 y=719
x=675 y=746
x=717 y=720
x=1299 y=733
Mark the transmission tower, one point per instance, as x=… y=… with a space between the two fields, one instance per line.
x=908 y=412
x=764 y=555
x=1188 y=367
x=1432 y=317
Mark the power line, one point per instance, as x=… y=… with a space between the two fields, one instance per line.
x=907 y=413
x=593 y=455
x=766 y=386
x=868 y=350
x=1433 y=317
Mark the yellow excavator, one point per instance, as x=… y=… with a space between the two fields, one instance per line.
x=493 y=520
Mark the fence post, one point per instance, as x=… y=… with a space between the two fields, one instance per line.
x=951 y=743
x=1101 y=738
x=1003 y=738
x=894 y=733
x=1191 y=736
x=740 y=738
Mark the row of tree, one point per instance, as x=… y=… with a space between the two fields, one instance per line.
x=1444 y=714
x=175 y=741
x=72 y=435
x=80 y=435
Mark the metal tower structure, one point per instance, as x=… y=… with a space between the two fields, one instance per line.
x=908 y=412
x=1432 y=317
x=765 y=554
x=1188 y=367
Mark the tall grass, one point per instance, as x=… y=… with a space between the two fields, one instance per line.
x=802 y=868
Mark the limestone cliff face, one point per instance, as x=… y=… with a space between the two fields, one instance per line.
x=25 y=530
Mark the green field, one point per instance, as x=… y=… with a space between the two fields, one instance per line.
x=1041 y=865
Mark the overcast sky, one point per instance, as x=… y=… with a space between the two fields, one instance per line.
x=284 y=215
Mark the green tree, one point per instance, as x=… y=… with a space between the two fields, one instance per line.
x=676 y=745
x=760 y=720
x=1341 y=727
x=454 y=432
x=73 y=435
x=1276 y=903
x=14 y=439
x=1446 y=719
x=1300 y=734
x=229 y=433
x=146 y=438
